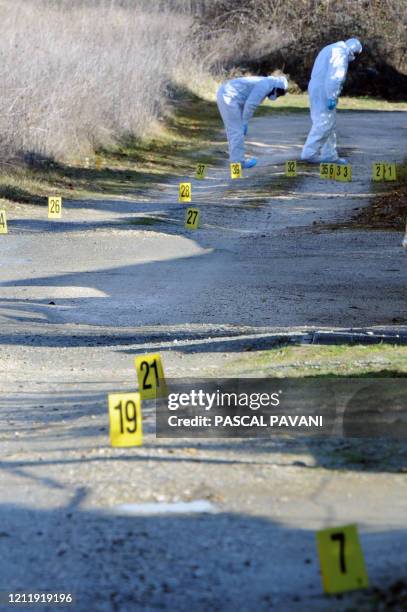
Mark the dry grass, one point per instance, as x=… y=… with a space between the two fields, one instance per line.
x=79 y=75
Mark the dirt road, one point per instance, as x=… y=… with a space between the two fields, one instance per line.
x=80 y=297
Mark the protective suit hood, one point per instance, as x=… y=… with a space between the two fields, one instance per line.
x=280 y=83
x=354 y=47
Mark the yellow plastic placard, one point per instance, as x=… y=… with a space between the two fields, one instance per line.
x=341 y=559
x=346 y=173
x=338 y=172
x=192 y=218
x=236 y=170
x=150 y=375
x=200 y=171
x=291 y=168
x=3 y=222
x=378 y=171
x=98 y=162
x=390 y=172
x=54 y=208
x=331 y=171
x=126 y=427
x=185 y=192
x=343 y=172
x=324 y=171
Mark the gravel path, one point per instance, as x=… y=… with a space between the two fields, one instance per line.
x=261 y=264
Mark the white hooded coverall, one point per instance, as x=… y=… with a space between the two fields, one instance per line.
x=237 y=101
x=327 y=77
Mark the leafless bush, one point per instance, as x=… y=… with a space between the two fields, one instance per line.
x=79 y=74
x=287 y=34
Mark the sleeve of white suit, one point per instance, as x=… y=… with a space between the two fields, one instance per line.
x=338 y=66
x=256 y=97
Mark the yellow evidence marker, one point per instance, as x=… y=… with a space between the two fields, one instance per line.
x=98 y=162
x=200 y=171
x=331 y=171
x=184 y=192
x=236 y=170
x=3 y=222
x=192 y=218
x=378 y=171
x=343 y=172
x=150 y=375
x=291 y=168
x=346 y=173
x=337 y=176
x=341 y=559
x=54 y=208
x=125 y=419
x=390 y=172
x=324 y=171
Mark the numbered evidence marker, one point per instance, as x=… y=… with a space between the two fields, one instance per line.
x=331 y=171
x=54 y=208
x=150 y=375
x=236 y=170
x=184 y=192
x=200 y=171
x=192 y=218
x=343 y=172
x=390 y=172
x=341 y=559
x=98 y=162
x=291 y=168
x=125 y=419
x=3 y=222
x=324 y=171
x=378 y=171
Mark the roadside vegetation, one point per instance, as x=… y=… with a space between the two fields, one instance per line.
x=119 y=95
x=387 y=210
x=317 y=360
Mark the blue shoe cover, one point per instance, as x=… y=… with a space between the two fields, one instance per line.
x=249 y=163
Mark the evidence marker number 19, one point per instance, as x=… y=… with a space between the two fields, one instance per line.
x=125 y=419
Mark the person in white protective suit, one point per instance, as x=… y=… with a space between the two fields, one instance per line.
x=237 y=100
x=327 y=77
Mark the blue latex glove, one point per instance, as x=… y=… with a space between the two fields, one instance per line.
x=249 y=163
x=331 y=103
x=245 y=128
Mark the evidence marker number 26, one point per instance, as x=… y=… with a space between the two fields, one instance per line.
x=54 y=207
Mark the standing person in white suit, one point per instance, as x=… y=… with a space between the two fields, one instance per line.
x=237 y=100
x=327 y=77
